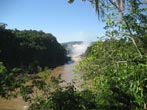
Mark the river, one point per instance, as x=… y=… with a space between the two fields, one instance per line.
x=66 y=72
x=18 y=103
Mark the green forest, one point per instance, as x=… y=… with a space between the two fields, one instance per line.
x=26 y=52
x=114 y=68
x=30 y=50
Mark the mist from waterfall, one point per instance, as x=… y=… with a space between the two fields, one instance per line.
x=75 y=52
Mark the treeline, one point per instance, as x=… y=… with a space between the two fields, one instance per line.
x=30 y=50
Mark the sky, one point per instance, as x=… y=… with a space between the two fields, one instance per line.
x=67 y=22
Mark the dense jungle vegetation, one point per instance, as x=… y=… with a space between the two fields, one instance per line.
x=27 y=51
x=30 y=49
x=114 y=68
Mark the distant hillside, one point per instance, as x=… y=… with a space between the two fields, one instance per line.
x=30 y=49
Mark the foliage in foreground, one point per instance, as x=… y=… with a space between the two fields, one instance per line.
x=10 y=81
x=54 y=94
x=118 y=74
x=117 y=65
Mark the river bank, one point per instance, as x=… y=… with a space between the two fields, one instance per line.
x=18 y=103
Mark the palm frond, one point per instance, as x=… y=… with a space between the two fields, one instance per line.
x=97 y=8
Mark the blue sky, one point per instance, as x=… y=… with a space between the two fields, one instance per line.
x=67 y=22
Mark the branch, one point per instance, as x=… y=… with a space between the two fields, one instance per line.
x=128 y=27
x=132 y=38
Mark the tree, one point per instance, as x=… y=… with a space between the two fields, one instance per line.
x=3 y=25
x=119 y=4
x=116 y=65
x=30 y=50
x=10 y=81
x=100 y=4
